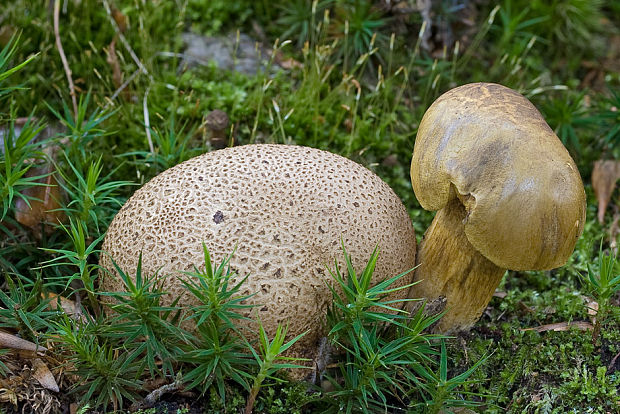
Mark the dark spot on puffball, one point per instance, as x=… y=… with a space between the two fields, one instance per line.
x=218 y=217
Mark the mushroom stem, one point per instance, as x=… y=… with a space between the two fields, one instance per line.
x=450 y=267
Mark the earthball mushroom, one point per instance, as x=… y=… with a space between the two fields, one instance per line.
x=285 y=209
x=507 y=192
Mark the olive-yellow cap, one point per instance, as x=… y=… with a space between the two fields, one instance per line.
x=490 y=147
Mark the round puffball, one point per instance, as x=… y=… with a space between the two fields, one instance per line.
x=284 y=210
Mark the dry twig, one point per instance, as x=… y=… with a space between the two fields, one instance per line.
x=562 y=326
x=155 y=395
x=122 y=87
x=147 y=122
x=613 y=362
x=13 y=342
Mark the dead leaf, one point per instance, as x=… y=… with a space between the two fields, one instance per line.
x=7 y=31
x=44 y=202
x=390 y=161
x=402 y=7
x=13 y=342
x=562 y=326
x=604 y=177
x=56 y=300
x=498 y=294
x=120 y=19
x=289 y=63
x=43 y=374
x=598 y=69
x=526 y=308
x=117 y=74
x=592 y=307
x=348 y=124
x=70 y=307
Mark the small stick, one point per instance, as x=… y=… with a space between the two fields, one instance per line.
x=122 y=87
x=613 y=362
x=464 y=345
x=63 y=58
x=147 y=122
x=13 y=342
x=156 y=394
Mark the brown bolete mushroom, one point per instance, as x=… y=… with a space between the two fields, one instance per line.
x=285 y=209
x=217 y=122
x=507 y=192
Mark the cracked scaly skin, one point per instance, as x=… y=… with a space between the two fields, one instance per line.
x=285 y=209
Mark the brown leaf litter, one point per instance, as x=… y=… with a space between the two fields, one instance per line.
x=604 y=177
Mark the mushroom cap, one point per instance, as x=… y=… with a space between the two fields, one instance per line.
x=217 y=120
x=490 y=147
x=285 y=209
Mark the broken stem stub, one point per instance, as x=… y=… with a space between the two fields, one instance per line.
x=449 y=266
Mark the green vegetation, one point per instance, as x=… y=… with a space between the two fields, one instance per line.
x=350 y=76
